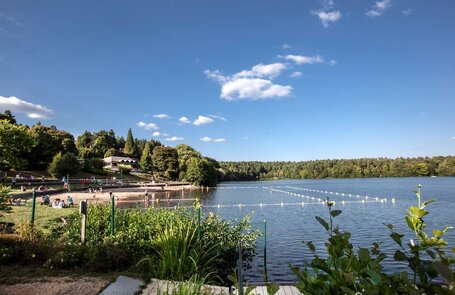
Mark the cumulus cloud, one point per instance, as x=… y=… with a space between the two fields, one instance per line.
x=17 y=105
x=174 y=138
x=147 y=126
x=303 y=59
x=255 y=83
x=295 y=74
x=156 y=133
x=202 y=120
x=162 y=116
x=286 y=46
x=378 y=8
x=209 y=139
x=327 y=17
x=184 y=120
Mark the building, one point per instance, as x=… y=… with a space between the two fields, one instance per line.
x=115 y=163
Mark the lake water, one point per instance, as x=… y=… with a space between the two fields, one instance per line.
x=289 y=222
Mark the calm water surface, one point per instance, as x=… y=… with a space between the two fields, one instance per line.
x=289 y=225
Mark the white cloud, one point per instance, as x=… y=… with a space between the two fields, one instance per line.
x=147 y=126
x=286 y=46
x=303 y=59
x=407 y=11
x=217 y=117
x=202 y=120
x=156 y=133
x=184 y=120
x=261 y=71
x=206 y=139
x=17 y=105
x=251 y=84
x=378 y=8
x=253 y=88
x=174 y=138
x=327 y=17
x=162 y=116
x=453 y=138
x=209 y=139
x=295 y=74
x=333 y=62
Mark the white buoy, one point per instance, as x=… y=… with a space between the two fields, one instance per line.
x=219 y=206
x=303 y=203
x=363 y=201
x=282 y=204
x=393 y=200
x=342 y=202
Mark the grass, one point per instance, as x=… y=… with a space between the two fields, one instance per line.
x=45 y=216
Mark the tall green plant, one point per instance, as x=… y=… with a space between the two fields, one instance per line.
x=344 y=270
x=426 y=255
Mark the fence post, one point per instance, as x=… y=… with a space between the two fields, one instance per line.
x=265 y=250
x=240 y=269
x=199 y=223
x=112 y=214
x=32 y=217
x=83 y=210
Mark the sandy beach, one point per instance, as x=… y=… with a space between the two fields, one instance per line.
x=119 y=193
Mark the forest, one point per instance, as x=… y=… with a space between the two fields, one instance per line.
x=352 y=168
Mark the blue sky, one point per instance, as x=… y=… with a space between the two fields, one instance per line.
x=255 y=80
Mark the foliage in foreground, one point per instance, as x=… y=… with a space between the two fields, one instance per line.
x=349 y=271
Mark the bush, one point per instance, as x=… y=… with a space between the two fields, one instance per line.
x=62 y=165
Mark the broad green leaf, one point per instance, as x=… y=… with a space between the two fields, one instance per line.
x=335 y=213
x=427 y=202
x=311 y=246
x=437 y=233
x=374 y=276
x=400 y=256
x=417 y=212
x=272 y=288
x=323 y=222
x=397 y=238
x=364 y=254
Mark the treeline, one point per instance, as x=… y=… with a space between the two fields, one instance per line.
x=355 y=168
x=41 y=147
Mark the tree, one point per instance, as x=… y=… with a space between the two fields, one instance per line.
x=49 y=142
x=129 y=143
x=146 y=158
x=8 y=116
x=15 y=142
x=62 y=165
x=4 y=191
x=165 y=162
x=447 y=167
x=201 y=172
x=185 y=153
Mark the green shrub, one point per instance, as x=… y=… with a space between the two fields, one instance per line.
x=62 y=165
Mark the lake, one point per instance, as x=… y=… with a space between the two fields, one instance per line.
x=366 y=205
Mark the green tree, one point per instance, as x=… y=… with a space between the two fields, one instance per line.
x=49 y=141
x=201 y=172
x=8 y=116
x=4 y=191
x=62 y=165
x=15 y=141
x=447 y=167
x=185 y=153
x=129 y=143
x=165 y=162
x=146 y=158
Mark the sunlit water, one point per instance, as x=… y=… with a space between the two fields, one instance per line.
x=289 y=222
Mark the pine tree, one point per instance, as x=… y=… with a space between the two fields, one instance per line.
x=129 y=143
x=146 y=158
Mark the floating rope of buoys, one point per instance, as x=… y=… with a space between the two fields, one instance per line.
x=350 y=195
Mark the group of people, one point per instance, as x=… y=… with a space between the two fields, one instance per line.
x=57 y=203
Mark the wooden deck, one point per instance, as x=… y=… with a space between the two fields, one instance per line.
x=161 y=286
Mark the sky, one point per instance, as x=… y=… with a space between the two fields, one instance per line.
x=242 y=80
